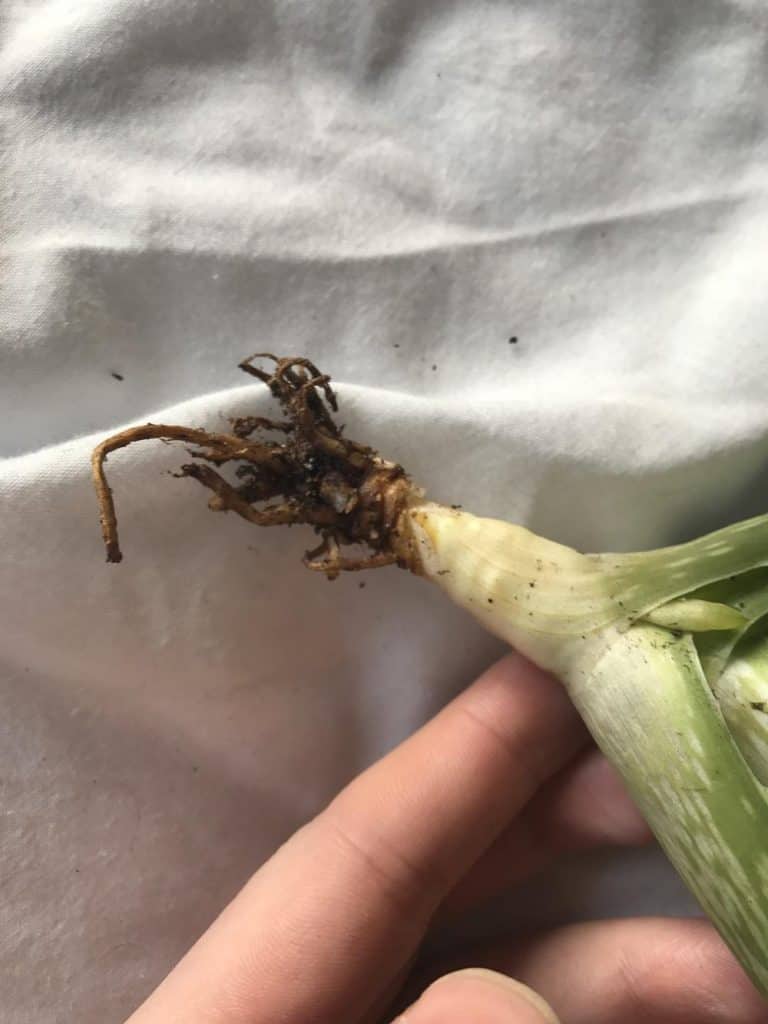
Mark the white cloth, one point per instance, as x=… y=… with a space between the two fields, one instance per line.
x=395 y=189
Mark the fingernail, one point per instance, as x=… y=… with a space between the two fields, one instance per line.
x=482 y=996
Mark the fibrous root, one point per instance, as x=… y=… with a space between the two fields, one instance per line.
x=313 y=474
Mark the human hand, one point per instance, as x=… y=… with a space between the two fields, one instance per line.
x=499 y=783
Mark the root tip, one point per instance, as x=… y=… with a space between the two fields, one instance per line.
x=114 y=554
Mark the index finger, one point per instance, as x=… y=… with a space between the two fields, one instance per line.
x=324 y=926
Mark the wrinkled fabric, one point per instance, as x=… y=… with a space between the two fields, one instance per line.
x=528 y=239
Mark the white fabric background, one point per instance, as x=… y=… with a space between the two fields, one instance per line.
x=186 y=181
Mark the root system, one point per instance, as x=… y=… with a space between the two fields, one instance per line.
x=299 y=469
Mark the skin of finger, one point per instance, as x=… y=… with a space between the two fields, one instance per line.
x=477 y=996
x=585 y=805
x=326 y=924
x=640 y=971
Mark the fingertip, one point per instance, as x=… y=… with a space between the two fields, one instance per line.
x=590 y=804
x=625 y=825
x=716 y=978
x=676 y=970
x=520 y=701
x=512 y=988
x=480 y=995
x=514 y=669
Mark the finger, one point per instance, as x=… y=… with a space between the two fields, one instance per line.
x=321 y=928
x=643 y=971
x=585 y=805
x=479 y=996
x=639 y=970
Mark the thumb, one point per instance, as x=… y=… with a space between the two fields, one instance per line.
x=481 y=996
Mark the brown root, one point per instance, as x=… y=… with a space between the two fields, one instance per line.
x=314 y=475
